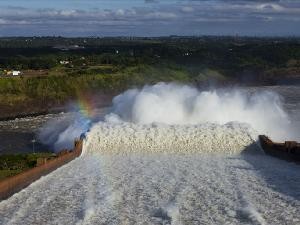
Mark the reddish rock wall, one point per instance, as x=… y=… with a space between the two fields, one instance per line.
x=13 y=184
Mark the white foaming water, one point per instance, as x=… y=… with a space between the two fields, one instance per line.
x=179 y=105
x=61 y=133
x=175 y=104
x=115 y=188
x=170 y=118
x=161 y=189
x=124 y=138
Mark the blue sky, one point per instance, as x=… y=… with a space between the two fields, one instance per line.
x=72 y=4
x=149 y=17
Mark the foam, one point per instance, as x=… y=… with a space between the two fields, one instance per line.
x=180 y=107
x=125 y=138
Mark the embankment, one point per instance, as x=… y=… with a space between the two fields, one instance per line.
x=15 y=106
x=16 y=183
x=289 y=150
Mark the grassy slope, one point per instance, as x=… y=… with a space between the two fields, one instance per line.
x=35 y=93
x=13 y=164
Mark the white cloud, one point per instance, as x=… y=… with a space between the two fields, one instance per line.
x=120 y=12
x=160 y=15
x=3 y=22
x=68 y=12
x=187 y=9
x=183 y=16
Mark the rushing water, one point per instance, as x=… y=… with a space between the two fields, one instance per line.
x=159 y=174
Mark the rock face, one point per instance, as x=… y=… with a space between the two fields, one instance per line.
x=16 y=183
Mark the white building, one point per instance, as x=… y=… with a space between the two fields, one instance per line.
x=16 y=73
x=64 y=62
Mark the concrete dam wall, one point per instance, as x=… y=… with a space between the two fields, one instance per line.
x=11 y=185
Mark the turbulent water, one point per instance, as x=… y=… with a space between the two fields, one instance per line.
x=140 y=173
x=161 y=189
x=128 y=138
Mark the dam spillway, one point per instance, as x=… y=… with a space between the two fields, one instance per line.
x=154 y=173
x=106 y=187
x=129 y=138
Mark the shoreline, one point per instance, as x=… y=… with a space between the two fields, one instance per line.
x=33 y=114
x=53 y=111
x=36 y=108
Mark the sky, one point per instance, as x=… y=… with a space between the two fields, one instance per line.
x=74 y=18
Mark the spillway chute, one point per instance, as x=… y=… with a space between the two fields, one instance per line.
x=129 y=138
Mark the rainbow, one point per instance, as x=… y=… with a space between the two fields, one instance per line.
x=85 y=105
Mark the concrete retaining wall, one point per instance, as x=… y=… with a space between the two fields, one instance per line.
x=289 y=150
x=16 y=183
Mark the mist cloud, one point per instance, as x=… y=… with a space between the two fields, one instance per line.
x=176 y=104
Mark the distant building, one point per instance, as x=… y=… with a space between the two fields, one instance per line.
x=12 y=72
x=64 y=62
x=16 y=73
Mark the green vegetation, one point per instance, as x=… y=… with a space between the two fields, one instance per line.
x=60 y=88
x=54 y=69
x=13 y=164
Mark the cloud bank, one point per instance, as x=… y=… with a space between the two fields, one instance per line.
x=149 y=18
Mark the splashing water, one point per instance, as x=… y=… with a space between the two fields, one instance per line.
x=128 y=138
x=62 y=133
x=176 y=104
x=179 y=105
x=170 y=118
x=112 y=183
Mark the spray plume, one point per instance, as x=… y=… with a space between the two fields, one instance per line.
x=181 y=107
x=177 y=104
